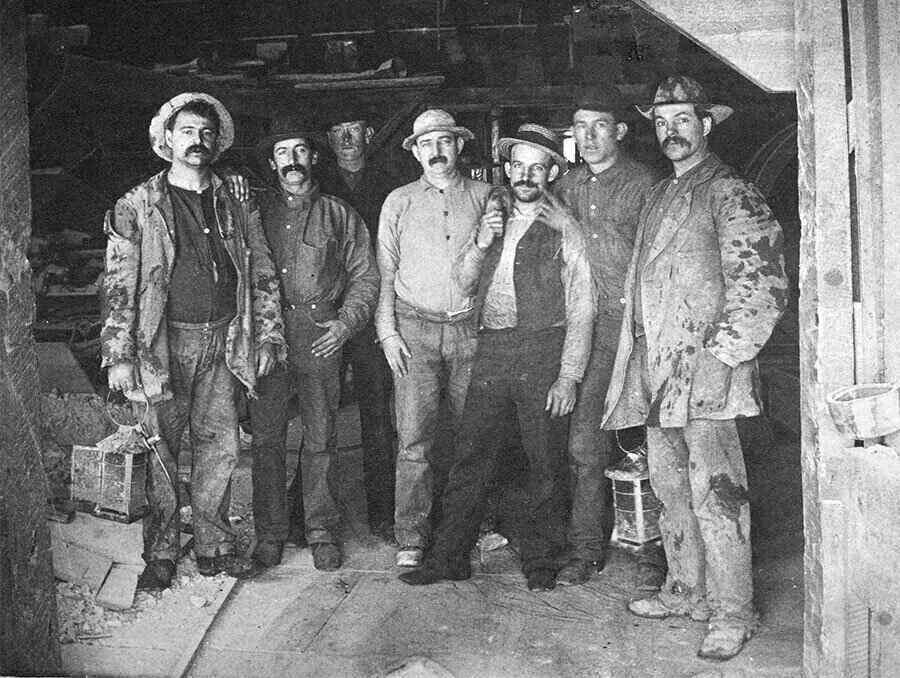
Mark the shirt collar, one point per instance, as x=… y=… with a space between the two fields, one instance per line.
x=299 y=202
x=454 y=185
x=584 y=173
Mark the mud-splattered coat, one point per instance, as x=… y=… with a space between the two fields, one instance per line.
x=139 y=258
x=712 y=277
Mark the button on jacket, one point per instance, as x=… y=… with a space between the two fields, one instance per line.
x=322 y=256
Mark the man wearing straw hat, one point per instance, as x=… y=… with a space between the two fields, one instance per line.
x=535 y=300
x=704 y=290
x=329 y=287
x=425 y=320
x=193 y=311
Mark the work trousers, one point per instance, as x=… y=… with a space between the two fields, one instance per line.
x=310 y=499
x=442 y=354
x=372 y=388
x=591 y=451
x=512 y=373
x=203 y=398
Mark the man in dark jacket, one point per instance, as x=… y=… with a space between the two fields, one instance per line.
x=535 y=302
x=703 y=292
x=364 y=185
x=329 y=286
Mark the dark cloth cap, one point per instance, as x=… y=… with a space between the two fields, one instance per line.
x=681 y=89
x=538 y=137
x=602 y=98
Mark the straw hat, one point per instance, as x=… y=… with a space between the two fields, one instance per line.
x=158 y=124
x=537 y=137
x=435 y=120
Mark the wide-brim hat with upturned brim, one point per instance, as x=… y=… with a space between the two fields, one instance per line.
x=681 y=89
x=538 y=137
x=292 y=127
x=224 y=139
x=435 y=120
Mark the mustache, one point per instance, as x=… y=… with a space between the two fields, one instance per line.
x=438 y=158
x=681 y=141
x=525 y=182
x=294 y=168
x=198 y=148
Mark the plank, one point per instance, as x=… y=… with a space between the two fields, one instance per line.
x=117 y=592
x=77 y=564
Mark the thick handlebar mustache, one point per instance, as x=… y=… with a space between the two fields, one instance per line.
x=438 y=158
x=294 y=168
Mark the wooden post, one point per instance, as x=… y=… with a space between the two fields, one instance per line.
x=826 y=314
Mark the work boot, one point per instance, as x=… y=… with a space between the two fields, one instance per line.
x=326 y=556
x=268 y=553
x=579 y=570
x=655 y=608
x=228 y=563
x=431 y=572
x=725 y=639
x=541 y=579
x=157 y=575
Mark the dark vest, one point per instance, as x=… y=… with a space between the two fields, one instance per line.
x=540 y=296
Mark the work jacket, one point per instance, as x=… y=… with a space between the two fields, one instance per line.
x=139 y=256
x=712 y=278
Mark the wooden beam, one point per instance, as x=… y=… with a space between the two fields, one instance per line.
x=755 y=37
x=826 y=306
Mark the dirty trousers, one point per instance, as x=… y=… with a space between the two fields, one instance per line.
x=591 y=450
x=204 y=391
x=442 y=354
x=512 y=373
x=698 y=474
x=316 y=382
x=372 y=388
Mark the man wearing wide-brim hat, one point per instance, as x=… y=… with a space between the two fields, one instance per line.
x=535 y=303
x=182 y=332
x=605 y=193
x=703 y=293
x=329 y=285
x=365 y=182
x=424 y=320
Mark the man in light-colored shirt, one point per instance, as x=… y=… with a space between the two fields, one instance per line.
x=425 y=320
x=536 y=304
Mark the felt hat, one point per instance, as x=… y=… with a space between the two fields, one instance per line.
x=287 y=127
x=538 y=137
x=681 y=89
x=435 y=120
x=158 y=124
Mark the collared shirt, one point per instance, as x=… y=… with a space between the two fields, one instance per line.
x=500 y=301
x=421 y=231
x=203 y=283
x=607 y=205
x=322 y=256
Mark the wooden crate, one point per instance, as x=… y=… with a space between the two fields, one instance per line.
x=109 y=479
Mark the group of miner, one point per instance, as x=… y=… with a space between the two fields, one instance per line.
x=554 y=311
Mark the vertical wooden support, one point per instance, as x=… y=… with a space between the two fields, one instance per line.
x=826 y=315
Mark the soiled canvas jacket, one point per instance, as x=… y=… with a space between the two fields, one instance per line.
x=139 y=257
x=712 y=277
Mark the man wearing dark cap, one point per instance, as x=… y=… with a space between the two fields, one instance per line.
x=365 y=184
x=703 y=293
x=193 y=310
x=425 y=320
x=329 y=286
x=606 y=193
x=535 y=302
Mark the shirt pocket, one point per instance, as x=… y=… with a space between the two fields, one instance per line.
x=316 y=266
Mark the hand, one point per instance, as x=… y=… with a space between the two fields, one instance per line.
x=711 y=383
x=122 y=377
x=561 y=397
x=332 y=341
x=238 y=186
x=266 y=358
x=491 y=227
x=397 y=354
x=555 y=213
